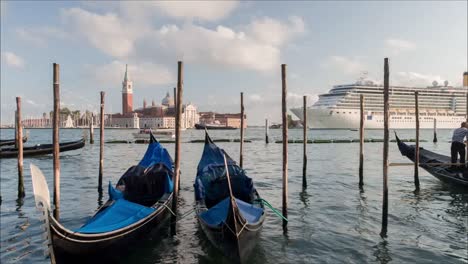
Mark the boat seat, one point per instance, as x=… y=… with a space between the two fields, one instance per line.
x=120 y=214
x=217 y=214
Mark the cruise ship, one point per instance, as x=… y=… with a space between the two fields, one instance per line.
x=440 y=105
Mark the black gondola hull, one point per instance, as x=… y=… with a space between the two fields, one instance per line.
x=41 y=149
x=237 y=248
x=441 y=172
x=9 y=142
x=70 y=247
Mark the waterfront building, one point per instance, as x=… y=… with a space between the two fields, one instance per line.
x=153 y=116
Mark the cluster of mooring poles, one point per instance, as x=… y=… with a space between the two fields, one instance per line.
x=178 y=92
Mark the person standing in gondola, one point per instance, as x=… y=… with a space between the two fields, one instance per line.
x=458 y=145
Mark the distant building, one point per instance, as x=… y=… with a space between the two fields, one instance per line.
x=232 y=120
x=154 y=116
x=127 y=94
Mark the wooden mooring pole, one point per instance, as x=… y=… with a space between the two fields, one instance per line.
x=91 y=130
x=304 y=145
x=180 y=83
x=266 y=131
x=284 y=110
x=16 y=129
x=19 y=132
x=435 y=131
x=241 y=155
x=361 y=142
x=466 y=121
x=383 y=232
x=416 y=152
x=101 y=143
x=55 y=140
x=175 y=97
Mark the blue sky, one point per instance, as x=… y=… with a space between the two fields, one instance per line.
x=227 y=47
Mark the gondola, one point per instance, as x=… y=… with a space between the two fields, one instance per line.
x=41 y=149
x=9 y=142
x=137 y=204
x=230 y=223
x=438 y=170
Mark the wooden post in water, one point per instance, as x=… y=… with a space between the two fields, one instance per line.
x=180 y=83
x=383 y=232
x=16 y=129
x=435 y=131
x=361 y=142
x=416 y=152
x=101 y=143
x=55 y=140
x=175 y=97
x=266 y=131
x=19 y=132
x=91 y=130
x=466 y=121
x=284 y=110
x=304 y=145
x=241 y=158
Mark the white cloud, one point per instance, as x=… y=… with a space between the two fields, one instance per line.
x=13 y=60
x=3 y=8
x=258 y=48
x=345 y=64
x=108 y=33
x=39 y=35
x=274 y=32
x=255 y=98
x=415 y=79
x=142 y=74
x=399 y=45
x=202 y=10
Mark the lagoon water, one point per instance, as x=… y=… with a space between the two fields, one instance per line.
x=329 y=222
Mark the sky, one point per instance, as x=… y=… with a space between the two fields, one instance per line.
x=227 y=48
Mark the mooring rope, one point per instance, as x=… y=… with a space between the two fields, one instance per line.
x=265 y=202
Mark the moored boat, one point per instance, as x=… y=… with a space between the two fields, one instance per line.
x=9 y=142
x=214 y=127
x=229 y=209
x=144 y=134
x=41 y=149
x=439 y=169
x=136 y=205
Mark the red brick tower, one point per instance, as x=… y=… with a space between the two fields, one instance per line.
x=127 y=94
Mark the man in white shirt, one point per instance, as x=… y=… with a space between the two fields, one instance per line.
x=458 y=144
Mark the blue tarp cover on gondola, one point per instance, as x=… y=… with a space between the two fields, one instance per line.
x=152 y=172
x=120 y=214
x=217 y=214
x=156 y=154
x=211 y=182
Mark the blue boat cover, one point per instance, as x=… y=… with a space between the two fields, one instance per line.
x=217 y=214
x=211 y=182
x=123 y=212
x=120 y=214
x=156 y=154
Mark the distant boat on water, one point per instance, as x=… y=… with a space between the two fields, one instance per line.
x=214 y=127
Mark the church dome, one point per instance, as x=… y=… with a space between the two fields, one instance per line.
x=168 y=100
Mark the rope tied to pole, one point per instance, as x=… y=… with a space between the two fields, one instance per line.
x=265 y=202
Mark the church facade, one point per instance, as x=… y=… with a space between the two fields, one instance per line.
x=154 y=116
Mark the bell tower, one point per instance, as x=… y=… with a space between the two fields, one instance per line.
x=127 y=93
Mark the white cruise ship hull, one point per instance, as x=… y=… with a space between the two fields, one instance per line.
x=350 y=119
